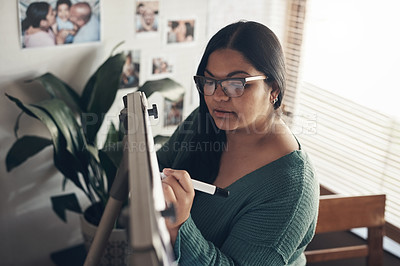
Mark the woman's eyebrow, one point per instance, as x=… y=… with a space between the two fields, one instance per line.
x=209 y=73
x=237 y=72
x=230 y=74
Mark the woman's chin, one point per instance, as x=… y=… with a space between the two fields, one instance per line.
x=225 y=124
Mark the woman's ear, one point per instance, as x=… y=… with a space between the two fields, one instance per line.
x=275 y=91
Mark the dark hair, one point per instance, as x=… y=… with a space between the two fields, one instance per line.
x=60 y=2
x=189 y=29
x=35 y=13
x=260 y=46
x=174 y=24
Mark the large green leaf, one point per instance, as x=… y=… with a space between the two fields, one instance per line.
x=110 y=158
x=65 y=202
x=78 y=158
x=112 y=135
x=99 y=94
x=109 y=168
x=98 y=179
x=67 y=165
x=24 y=148
x=63 y=159
x=65 y=120
x=111 y=154
x=16 y=126
x=98 y=86
x=169 y=88
x=44 y=118
x=59 y=89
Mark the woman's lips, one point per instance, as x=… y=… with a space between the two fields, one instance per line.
x=221 y=113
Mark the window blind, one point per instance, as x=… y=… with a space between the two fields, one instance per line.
x=355 y=149
x=295 y=17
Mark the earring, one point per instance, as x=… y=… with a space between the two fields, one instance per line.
x=274 y=100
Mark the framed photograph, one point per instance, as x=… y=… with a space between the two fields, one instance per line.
x=172 y=112
x=131 y=69
x=180 y=31
x=58 y=22
x=147 y=17
x=162 y=66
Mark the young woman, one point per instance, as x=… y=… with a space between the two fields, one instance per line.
x=236 y=140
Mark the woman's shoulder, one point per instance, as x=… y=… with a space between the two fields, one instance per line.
x=294 y=166
x=39 y=38
x=292 y=174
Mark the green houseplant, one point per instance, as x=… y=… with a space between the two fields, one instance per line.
x=73 y=122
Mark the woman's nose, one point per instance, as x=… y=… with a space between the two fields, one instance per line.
x=219 y=94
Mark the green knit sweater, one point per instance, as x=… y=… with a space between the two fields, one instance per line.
x=268 y=218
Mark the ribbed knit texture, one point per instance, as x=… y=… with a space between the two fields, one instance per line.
x=268 y=218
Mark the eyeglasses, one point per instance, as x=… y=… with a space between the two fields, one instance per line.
x=232 y=87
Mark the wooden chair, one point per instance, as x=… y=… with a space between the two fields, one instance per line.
x=342 y=213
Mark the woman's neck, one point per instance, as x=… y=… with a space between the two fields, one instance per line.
x=250 y=138
x=32 y=30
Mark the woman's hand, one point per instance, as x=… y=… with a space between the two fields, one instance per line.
x=178 y=190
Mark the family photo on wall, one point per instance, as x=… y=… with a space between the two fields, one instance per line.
x=49 y=23
x=147 y=16
x=131 y=69
x=58 y=22
x=180 y=31
x=162 y=65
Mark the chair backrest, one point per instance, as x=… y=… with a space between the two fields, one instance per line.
x=342 y=213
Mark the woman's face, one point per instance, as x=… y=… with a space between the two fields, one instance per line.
x=249 y=112
x=50 y=19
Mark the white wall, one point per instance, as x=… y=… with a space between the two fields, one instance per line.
x=29 y=229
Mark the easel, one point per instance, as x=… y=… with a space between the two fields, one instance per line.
x=147 y=233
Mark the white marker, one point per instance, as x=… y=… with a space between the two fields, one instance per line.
x=206 y=188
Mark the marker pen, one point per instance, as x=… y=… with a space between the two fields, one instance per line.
x=206 y=188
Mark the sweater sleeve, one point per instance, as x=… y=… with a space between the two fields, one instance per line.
x=191 y=248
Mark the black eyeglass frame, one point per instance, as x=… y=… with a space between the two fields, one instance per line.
x=216 y=82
